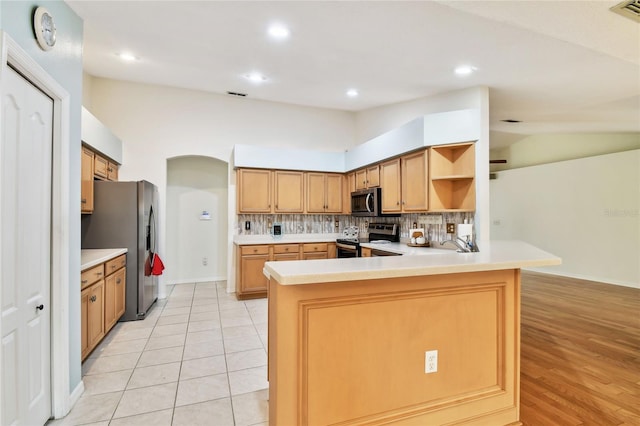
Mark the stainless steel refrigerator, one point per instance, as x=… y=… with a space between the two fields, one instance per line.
x=125 y=215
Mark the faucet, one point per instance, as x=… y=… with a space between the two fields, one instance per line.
x=465 y=247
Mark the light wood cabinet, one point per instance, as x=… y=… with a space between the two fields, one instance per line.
x=349 y=187
x=270 y=191
x=368 y=177
x=112 y=171
x=94 y=166
x=92 y=321
x=404 y=183
x=86 y=182
x=115 y=290
x=102 y=301
x=452 y=177
x=289 y=192
x=312 y=251
x=415 y=178
x=365 y=252
x=390 y=182
x=373 y=176
x=254 y=190
x=251 y=281
x=101 y=167
x=324 y=192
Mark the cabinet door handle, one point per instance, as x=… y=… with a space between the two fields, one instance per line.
x=39 y=307
x=397 y=203
x=84 y=201
x=84 y=281
x=93 y=298
x=118 y=281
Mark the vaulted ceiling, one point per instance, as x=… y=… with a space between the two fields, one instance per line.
x=557 y=66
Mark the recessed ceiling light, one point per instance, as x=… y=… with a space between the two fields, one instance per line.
x=128 y=57
x=465 y=70
x=278 y=31
x=352 y=93
x=255 y=77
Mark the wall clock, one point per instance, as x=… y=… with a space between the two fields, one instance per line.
x=45 y=28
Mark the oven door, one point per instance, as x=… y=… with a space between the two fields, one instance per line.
x=346 y=250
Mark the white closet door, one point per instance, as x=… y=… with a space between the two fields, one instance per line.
x=25 y=251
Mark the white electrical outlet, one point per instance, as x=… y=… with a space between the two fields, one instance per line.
x=431 y=362
x=433 y=219
x=205 y=261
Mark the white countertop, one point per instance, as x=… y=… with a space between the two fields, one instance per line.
x=492 y=256
x=93 y=257
x=285 y=239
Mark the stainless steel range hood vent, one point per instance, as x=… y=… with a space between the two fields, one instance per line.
x=629 y=9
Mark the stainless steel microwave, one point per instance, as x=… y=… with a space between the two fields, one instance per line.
x=367 y=202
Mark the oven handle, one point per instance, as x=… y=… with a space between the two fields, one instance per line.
x=346 y=246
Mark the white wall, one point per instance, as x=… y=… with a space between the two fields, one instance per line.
x=158 y=123
x=194 y=185
x=587 y=211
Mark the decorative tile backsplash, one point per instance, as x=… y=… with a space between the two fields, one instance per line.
x=325 y=224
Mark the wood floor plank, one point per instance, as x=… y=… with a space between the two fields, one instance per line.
x=580 y=352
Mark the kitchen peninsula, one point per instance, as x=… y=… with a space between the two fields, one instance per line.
x=351 y=340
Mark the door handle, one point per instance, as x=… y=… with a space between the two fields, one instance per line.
x=39 y=307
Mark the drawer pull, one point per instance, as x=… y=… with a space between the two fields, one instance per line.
x=113 y=266
x=98 y=274
x=84 y=281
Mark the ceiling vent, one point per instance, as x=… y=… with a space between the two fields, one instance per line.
x=629 y=9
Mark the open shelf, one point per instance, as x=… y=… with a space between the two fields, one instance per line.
x=452 y=177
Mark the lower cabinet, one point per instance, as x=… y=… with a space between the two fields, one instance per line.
x=92 y=316
x=251 y=281
x=250 y=260
x=102 y=301
x=114 y=294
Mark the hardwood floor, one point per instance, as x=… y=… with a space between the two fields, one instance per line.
x=580 y=353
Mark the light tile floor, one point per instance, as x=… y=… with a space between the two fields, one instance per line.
x=199 y=358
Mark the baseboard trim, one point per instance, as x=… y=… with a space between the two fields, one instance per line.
x=75 y=395
x=584 y=277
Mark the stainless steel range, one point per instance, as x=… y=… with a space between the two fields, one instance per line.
x=349 y=244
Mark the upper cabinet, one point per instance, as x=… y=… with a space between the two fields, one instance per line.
x=435 y=179
x=391 y=186
x=452 y=183
x=289 y=192
x=254 y=190
x=268 y=191
x=369 y=177
x=415 y=188
x=324 y=192
x=86 y=183
x=404 y=183
x=94 y=166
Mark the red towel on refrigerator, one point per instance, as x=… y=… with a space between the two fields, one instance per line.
x=158 y=266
